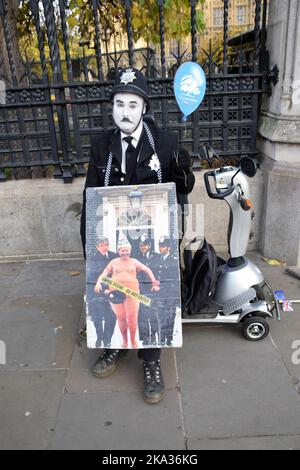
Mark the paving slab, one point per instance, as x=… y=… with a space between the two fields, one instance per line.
x=247 y=443
x=287 y=331
x=8 y=274
x=29 y=404
x=232 y=387
x=50 y=277
x=39 y=332
x=128 y=377
x=233 y=394
x=118 y=420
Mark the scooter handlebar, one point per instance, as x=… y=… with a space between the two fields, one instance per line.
x=216 y=195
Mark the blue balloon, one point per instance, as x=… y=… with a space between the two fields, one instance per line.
x=189 y=87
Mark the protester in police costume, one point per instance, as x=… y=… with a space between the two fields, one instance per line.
x=101 y=313
x=148 y=317
x=168 y=276
x=135 y=152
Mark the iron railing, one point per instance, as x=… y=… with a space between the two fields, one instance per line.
x=50 y=115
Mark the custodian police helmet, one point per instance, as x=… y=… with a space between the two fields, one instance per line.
x=131 y=80
x=145 y=240
x=164 y=241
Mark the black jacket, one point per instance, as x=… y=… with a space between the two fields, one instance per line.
x=97 y=264
x=153 y=263
x=110 y=141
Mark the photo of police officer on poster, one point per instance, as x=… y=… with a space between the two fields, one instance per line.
x=132 y=267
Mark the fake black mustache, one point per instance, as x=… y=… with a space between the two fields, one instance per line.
x=126 y=120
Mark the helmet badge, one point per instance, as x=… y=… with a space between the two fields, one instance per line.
x=128 y=76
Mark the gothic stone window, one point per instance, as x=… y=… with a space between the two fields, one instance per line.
x=241 y=14
x=218 y=16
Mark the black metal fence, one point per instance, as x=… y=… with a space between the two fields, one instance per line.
x=48 y=122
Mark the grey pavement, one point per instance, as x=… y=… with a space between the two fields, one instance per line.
x=222 y=392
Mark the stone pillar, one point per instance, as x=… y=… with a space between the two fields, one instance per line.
x=279 y=137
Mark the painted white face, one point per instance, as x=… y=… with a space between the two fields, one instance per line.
x=128 y=110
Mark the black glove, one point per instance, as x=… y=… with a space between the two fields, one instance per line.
x=184 y=161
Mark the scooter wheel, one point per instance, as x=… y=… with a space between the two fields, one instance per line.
x=255 y=329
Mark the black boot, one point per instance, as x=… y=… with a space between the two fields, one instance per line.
x=153 y=382
x=107 y=362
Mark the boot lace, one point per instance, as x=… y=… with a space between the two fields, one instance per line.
x=109 y=355
x=152 y=372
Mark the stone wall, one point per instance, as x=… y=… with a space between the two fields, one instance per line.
x=41 y=217
x=279 y=137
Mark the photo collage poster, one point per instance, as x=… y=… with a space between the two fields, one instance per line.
x=132 y=267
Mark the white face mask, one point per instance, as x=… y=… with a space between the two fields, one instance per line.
x=128 y=110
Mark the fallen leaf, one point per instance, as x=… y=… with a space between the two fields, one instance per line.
x=74 y=273
x=273 y=262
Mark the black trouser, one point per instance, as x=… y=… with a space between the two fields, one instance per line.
x=149 y=355
x=104 y=323
x=104 y=320
x=166 y=319
x=148 y=325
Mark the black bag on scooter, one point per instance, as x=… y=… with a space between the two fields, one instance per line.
x=199 y=277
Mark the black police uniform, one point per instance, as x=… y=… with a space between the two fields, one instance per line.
x=169 y=283
x=148 y=317
x=99 y=308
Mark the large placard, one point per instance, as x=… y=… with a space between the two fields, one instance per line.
x=132 y=267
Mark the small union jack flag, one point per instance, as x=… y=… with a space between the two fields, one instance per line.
x=287 y=306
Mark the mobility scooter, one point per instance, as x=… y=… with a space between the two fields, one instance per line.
x=241 y=294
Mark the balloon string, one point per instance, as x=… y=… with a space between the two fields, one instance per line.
x=184 y=119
